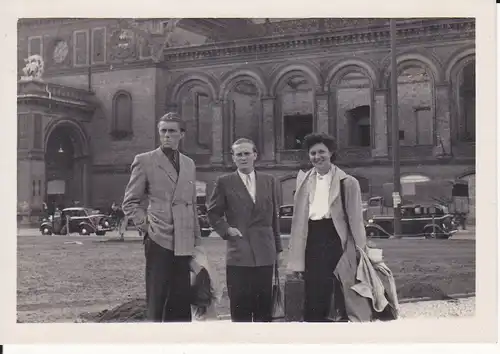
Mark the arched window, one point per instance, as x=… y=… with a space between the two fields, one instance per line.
x=359 y=126
x=195 y=106
x=415 y=113
x=296 y=97
x=245 y=111
x=122 y=115
x=353 y=98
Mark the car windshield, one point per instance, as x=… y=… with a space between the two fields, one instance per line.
x=75 y=212
x=286 y=211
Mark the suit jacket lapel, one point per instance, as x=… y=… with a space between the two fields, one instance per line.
x=181 y=179
x=260 y=188
x=241 y=190
x=338 y=175
x=164 y=163
x=182 y=166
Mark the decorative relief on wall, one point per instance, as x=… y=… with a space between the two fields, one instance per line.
x=60 y=52
x=122 y=45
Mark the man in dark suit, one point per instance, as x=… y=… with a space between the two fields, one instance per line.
x=243 y=210
x=167 y=179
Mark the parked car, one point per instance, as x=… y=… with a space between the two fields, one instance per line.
x=430 y=221
x=84 y=221
x=285 y=217
x=205 y=227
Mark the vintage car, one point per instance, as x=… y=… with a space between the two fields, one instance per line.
x=429 y=221
x=84 y=221
x=285 y=217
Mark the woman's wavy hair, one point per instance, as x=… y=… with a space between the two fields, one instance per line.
x=320 y=138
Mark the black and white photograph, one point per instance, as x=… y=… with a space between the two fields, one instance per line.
x=230 y=169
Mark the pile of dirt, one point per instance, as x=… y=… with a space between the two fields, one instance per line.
x=119 y=240
x=131 y=311
x=421 y=290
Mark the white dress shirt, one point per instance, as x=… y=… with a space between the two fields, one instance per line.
x=319 y=206
x=249 y=182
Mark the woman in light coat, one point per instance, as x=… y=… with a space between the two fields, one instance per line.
x=322 y=244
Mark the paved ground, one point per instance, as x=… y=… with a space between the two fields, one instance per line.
x=60 y=277
x=469 y=234
x=463 y=307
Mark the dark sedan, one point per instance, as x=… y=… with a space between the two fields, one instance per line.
x=84 y=221
x=429 y=221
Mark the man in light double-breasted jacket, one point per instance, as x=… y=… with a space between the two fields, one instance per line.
x=167 y=179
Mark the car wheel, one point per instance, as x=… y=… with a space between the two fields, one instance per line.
x=46 y=231
x=84 y=231
x=429 y=233
x=100 y=233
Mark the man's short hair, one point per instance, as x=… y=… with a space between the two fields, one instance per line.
x=242 y=141
x=173 y=117
x=320 y=138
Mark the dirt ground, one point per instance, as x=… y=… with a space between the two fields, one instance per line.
x=61 y=277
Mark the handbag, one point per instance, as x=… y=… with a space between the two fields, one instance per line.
x=294 y=298
x=278 y=304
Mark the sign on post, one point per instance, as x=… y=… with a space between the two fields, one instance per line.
x=396 y=199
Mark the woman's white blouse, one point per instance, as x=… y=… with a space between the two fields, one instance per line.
x=319 y=207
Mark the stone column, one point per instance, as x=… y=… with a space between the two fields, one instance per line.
x=442 y=125
x=379 y=125
x=322 y=112
x=268 y=141
x=85 y=181
x=217 y=134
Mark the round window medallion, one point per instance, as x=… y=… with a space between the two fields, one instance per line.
x=60 y=51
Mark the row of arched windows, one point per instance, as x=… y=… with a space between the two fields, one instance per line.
x=351 y=107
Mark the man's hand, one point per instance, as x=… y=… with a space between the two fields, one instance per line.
x=234 y=232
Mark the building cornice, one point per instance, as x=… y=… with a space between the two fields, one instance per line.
x=31 y=91
x=408 y=32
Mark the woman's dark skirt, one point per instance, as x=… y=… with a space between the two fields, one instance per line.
x=323 y=252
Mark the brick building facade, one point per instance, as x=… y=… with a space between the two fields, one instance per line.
x=273 y=81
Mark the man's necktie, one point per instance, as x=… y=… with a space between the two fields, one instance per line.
x=249 y=186
x=173 y=157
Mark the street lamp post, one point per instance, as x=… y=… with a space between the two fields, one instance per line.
x=395 y=133
x=89 y=73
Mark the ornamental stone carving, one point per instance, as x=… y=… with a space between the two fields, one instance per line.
x=34 y=68
x=122 y=45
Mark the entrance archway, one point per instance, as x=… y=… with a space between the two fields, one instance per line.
x=66 y=165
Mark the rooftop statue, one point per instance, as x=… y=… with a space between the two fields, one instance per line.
x=34 y=68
